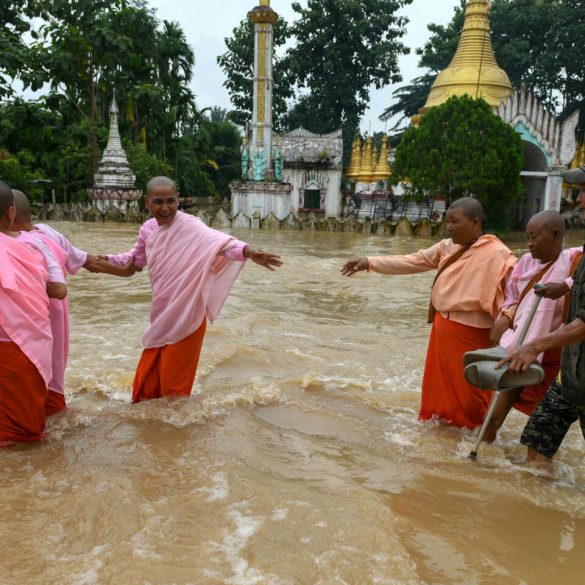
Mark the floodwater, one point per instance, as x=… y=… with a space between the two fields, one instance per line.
x=298 y=459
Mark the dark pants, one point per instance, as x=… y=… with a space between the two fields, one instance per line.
x=550 y=422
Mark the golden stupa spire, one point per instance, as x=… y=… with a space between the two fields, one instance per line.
x=473 y=70
x=264 y=2
x=382 y=171
x=356 y=159
x=367 y=166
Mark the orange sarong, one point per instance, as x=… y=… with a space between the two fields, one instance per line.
x=55 y=403
x=168 y=370
x=445 y=392
x=23 y=393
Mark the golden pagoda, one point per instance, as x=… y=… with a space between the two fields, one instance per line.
x=356 y=160
x=367 y=166
x=473 y=70
x=382 y=172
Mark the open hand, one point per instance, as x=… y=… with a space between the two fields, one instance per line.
x=269 y=260
x=355 y=265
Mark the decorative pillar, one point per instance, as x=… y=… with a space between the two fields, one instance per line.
x=264 y=18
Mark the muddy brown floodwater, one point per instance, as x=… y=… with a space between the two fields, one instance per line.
x=298 y=459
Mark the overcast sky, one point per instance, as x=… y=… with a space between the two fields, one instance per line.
x=207 y=23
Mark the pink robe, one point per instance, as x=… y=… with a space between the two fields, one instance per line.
x=75 y=258
x=71 y=261
x=24 y=304
x=191 y=271
x=58 y=308
x=549 y=315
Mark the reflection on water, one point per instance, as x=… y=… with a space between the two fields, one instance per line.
x=298 y=459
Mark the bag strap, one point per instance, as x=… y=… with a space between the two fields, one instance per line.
x=534 y=281
x=450 y=262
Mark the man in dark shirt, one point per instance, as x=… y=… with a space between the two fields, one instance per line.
x=564 y=402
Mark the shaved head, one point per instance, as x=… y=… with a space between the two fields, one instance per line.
x=549 y=220
x=159 y=182
x=6 y=198
x=470 y=206
x=22 y=205
x=545 y=233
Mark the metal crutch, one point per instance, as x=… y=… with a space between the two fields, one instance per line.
x=490 y=412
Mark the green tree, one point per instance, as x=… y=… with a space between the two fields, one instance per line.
x=344 y=48
x=19 y=172
x=15 y=58
x=225 y=150
x=237 y=64
x=460 y=149
x=58 y=143
x=144 y=165
x=85 y=49
x=83 y=43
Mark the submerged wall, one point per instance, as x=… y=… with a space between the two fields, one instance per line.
x=220 y=219
x=86 y=212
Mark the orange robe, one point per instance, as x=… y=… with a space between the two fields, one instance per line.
x=22 y=396
x=169 y=370
x=467 y=296
x=25 y=341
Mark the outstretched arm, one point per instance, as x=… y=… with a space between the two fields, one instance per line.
x=100 y=265
x=420 y=261
x=138 y=251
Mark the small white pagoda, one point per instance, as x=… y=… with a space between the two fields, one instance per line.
x=114 y=181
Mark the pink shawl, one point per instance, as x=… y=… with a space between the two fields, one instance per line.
x=24 y=305
x=58 y=312
x=190 y=280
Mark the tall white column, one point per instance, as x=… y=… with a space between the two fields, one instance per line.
x=264 y=19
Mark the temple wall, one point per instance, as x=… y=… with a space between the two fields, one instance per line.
x=221 y=220
x=328 y=181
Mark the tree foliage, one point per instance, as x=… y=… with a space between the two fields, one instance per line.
x=82 y=52
x=342 y=50
x=460 y=149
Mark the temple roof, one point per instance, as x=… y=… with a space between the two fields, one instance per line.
x=300 y=146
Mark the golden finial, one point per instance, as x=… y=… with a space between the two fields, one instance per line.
x=382 y=171
x=263 y=14
x=473 y=70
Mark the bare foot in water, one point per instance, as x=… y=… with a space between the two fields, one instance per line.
x=538 y=461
